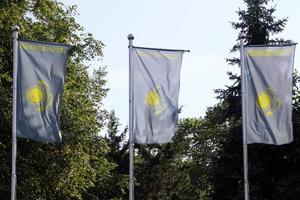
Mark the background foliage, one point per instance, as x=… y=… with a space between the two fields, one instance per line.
x=204 y=161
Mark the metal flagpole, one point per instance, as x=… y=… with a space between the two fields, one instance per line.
x=131 y=143
x=244 y=119
x=14 y=136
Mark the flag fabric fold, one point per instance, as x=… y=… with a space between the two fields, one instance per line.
x=268 y=91
x=156 y=80
x=40 y=80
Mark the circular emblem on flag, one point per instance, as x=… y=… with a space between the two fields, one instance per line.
x=152 y=98
x=35 y=95
x=155 y=100
x=268 y=102
x=40 y=96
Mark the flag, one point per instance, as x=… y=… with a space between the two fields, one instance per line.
x=268 y=94
x=40 y=80
x=156 y=78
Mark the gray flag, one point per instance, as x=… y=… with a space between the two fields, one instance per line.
x=268 y=93
x=156 y=78
x=40 y=79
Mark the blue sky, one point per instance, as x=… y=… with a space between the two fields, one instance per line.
x=198 y=25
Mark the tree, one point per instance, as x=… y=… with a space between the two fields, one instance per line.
x=178 y=170
x=115 y=186
x=270 y=167
x=50 y=171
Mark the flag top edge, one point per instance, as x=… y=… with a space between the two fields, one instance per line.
x=43 y=42
x=160 y=49
x=272 y=45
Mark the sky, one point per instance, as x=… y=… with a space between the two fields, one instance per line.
x=201 y=26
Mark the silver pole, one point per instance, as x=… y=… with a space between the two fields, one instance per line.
x=14 y=136
x=131 y=143
x=244 y=119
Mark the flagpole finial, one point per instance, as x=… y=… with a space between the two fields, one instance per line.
x=15 y=28
x=130 y=36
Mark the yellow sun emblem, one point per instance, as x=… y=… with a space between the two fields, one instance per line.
x=264 y=100
x=152 y=98
x=268 y=102
x=40 y=96
x=156 y=101
x=35 y=95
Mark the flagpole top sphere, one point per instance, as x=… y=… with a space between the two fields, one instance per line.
x=130 y=36
x=15 y=28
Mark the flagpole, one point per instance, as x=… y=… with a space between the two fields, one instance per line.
x=14 y=136
x=243 y=90
x=131 y=143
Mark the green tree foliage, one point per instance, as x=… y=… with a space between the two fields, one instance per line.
x=178 y=170
x=51 y=171
x=116 y=185
x=272 y=169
